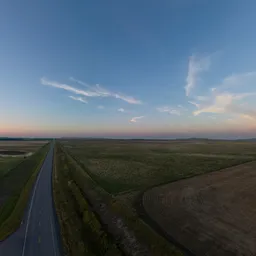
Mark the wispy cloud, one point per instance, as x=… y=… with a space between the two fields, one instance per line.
x=69 y=88
x=79 y=82
x=244 y=120
x=238 y=80
x=106 y=93
x=172 y=110
x=100 y=107
x=182 y=107
x=78 y=99
x=94 y=91
x=169 y=110
x=194 y=103
x=196 y=66
x=222 y=101
x=202 y=98
x=121 y=110
x=136 y=118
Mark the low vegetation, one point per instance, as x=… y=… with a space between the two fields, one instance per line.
x=15 y=188
x=82 y=232
x=13 y=152
x=120 y=171
x=125 y=166
x=8 y=163
x=23 y=146
x=132 y=234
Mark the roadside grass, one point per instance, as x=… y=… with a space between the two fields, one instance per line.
x=82 y=232
x=15 y=196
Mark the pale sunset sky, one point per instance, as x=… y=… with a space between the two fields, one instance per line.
x=138 y=68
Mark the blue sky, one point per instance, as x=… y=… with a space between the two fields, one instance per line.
x=166 y=68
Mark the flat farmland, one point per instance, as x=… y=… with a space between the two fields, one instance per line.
x=132 y=171
x=13 y=152
x=120 y=166
x=211 y=214
x=26 y=146
x=6 y=163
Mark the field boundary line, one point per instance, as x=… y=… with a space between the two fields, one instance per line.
x=145 y=217
x=90 y=176
x=142 y=213
x=194 y=176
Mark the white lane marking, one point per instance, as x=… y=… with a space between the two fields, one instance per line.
x=53 y=238
x=30 y=209
x=39 y=223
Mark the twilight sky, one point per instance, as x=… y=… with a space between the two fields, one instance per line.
x=137 y=68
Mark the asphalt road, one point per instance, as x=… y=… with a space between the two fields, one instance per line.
x=38 y=234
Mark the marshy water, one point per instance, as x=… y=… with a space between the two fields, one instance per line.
x=14 y=153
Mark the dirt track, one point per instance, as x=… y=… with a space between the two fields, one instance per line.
x=213 y=214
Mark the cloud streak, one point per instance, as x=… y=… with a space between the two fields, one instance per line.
x=221 y=101
x=238 y=80
x=136 y=118
x=121 y=110
x=69 y=88
x=94 y=91
x=106 y=93
x=169 y=110
x=178 y=111
x=196 y=66
x=78 y=99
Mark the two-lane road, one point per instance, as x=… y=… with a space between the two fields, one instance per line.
x=38 y=235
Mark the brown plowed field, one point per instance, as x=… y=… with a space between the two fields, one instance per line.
x=212 y=214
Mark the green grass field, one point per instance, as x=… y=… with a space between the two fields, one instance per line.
x=7 y=163
x=24 y=146
x=120 y=170
x=132 y=234
x=119 y=166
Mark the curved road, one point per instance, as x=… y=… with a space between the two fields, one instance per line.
x=38 y=234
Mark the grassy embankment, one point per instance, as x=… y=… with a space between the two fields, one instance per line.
x=15 y=189
x=82 y=233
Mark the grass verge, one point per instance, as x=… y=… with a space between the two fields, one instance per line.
x=15 y=206
x=82 y=232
